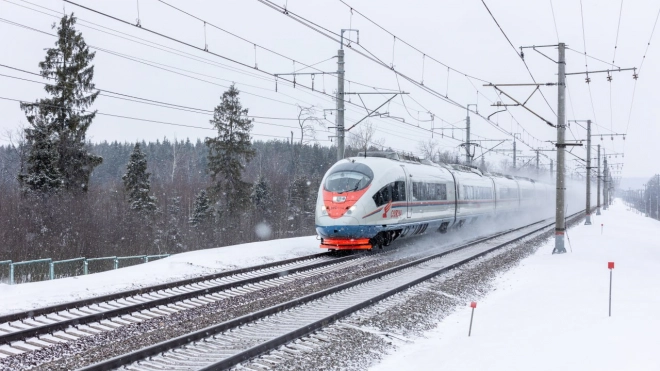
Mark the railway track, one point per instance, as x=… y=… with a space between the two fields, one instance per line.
x=62 y=323
x=109 y=312
x=229 y=343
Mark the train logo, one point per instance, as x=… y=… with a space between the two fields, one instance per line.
x=387 y=209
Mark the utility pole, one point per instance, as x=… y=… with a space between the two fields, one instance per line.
x=340 y=93
x=552 y=164
x=657 y=198
x=646 y=199
x=340 y=100
x=468 y=154
x=467 y=138
x=598 y=189
x=514 y=150
x=605 y=180
x=560 y=225
x=537 y=162
x=514 y=153
x=588 y=220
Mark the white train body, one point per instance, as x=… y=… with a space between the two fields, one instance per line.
x=370 y=201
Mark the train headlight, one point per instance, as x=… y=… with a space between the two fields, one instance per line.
x=338 y=199
x=324 y=211
x=353 y=208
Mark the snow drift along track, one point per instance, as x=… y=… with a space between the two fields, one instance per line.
x=27 y=324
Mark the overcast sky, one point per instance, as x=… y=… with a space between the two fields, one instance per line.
x=460 y=34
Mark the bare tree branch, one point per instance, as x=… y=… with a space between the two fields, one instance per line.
x=306 y=121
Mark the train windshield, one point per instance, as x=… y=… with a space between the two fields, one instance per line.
x=346 y=181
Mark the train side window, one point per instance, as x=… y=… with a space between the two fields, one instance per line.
x=398 y=191
x=440 y=191
x=419 y=191
x=383 y=196
x=416 y=191
x=484 y=193
x=395 y=191
x=429 y=191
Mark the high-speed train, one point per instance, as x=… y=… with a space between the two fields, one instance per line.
x=370 y=201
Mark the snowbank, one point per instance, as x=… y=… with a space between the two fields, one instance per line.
x=39 y=294
x=551 y=313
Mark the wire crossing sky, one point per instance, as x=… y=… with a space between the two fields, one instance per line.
x=164 y=78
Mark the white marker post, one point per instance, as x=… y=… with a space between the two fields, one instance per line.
x=472 y=305
x=610 y=266
x=601 y=228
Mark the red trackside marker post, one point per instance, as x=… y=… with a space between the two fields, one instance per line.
x=472 y=305
x=610 y=266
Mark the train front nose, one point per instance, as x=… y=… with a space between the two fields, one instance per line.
x=338 y=207
x=349 y=235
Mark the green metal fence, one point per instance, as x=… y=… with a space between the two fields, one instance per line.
x=48 y=269
x=4 y=271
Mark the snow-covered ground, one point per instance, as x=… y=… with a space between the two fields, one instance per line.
x=551 y=312
x=39 y=294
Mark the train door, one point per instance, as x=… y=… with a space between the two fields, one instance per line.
x=408 y=192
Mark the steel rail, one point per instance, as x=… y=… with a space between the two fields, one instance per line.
x=324 y=322
x=180 y=341
x=188 y=294
x=145 y=290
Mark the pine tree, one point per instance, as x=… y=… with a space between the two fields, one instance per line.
x=299 y=210
x=201 y=209
x=173 y=236
x=136 y=183
x=229 y=152
x=42 y=172
x=262 y=198
x=61 y=121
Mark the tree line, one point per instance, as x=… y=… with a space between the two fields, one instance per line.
x=167 y=206
x=65 y=197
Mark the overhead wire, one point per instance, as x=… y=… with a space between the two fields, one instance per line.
x=147 y=62
x=424 y=54
x=198 y=48
x=134 y=118
x=592 y=57
x=554 y=20
x=141 y=41
x=519 y=55
x=171 y=106
x=136 y=59
x=216 y=53
x=586 y=64
x=327 y=33
x=333 y=97
x=409 y=45
x=639 y=70
x=156 y=65
x=616 y=42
